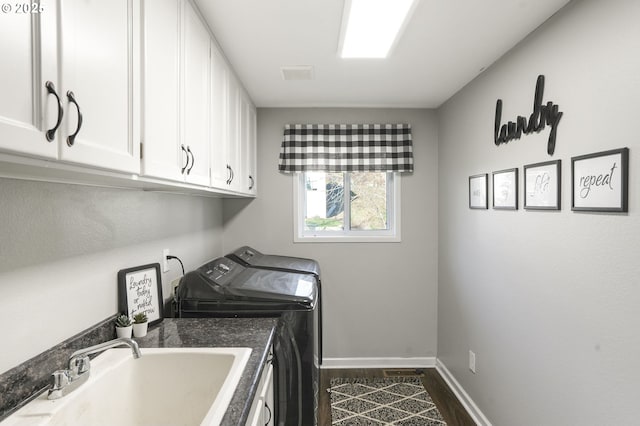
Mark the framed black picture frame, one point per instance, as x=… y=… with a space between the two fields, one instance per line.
x=505 y=189
x=542 y=185
x=478 y=194
x=600 y=181
x=140 y=290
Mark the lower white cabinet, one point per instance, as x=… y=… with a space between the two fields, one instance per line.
x=262 y=409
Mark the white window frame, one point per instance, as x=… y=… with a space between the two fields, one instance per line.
x=392 y=235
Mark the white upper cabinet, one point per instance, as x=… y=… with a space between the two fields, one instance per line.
x=162 y=155
x=135 y=92
x=27 y=110
x=233 y=134
x=220 y=172
x=176 y=106
x=100 y=65
x=226 y=150
x=86 y=55
x=248 y=145
x=196 y=111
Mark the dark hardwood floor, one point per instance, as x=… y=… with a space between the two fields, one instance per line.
x=446 y=401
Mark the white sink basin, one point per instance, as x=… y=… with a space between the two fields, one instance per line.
x=185 y=386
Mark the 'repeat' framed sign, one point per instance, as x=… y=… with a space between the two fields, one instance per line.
x=600 y=181
x=140 y=290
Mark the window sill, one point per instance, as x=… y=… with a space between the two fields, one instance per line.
x=347 y=239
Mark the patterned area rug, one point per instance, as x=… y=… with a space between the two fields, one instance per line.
x=398 y=401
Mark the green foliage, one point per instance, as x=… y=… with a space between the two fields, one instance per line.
x=123 y=321
x=140 y=318
x=323 y=223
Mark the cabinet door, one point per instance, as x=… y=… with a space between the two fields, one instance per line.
x=262 y=409
x=252 y=157
x=99 y=60
x=196 y=96
x=248 y=127
x=161 y=153
x=233 y=134
x=28 y=50
x=220 y=172
x=268 y=399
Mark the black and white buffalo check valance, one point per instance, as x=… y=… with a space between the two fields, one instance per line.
x=346 y=148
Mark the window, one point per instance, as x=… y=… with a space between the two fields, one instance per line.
x=347 y=185
x=347 y=206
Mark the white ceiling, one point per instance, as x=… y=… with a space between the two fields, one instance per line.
x=446 y=44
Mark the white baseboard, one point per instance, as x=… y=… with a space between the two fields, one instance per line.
x=463 y=396
x=420 y=362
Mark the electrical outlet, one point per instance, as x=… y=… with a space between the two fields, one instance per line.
x=165 y=261
x=472 y=362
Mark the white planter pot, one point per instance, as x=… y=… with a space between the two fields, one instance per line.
x=140 y=330
x=124 y=331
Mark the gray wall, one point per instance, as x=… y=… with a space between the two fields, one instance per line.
x=61 y=247
x=547 y=300
x=379 y=298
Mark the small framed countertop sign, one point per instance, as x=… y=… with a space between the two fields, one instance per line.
x=478 y=192
x=600 y=181
x=140 y=290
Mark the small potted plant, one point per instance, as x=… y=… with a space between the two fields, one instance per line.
x=123 y=326
x=140 y=323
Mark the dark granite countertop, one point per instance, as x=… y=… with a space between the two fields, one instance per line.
x=254 y=333
x=23 y=383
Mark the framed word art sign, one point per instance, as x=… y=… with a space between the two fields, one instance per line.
x=600 y=181
x=478 y=192
x=542 y=186
x=505 y=189
x=140 y=290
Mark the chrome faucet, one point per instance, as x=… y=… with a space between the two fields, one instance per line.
x=65 y=381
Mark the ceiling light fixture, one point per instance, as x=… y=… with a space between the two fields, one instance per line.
x=370 y=28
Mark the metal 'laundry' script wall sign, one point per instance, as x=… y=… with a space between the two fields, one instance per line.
x=541 y=116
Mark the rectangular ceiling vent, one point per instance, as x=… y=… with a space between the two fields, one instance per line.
x=297 y=72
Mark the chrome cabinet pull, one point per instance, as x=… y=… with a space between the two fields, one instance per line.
x=71 y=139
x=252 y=182
x=187 y=163
x=193 y=160
x=51 y=89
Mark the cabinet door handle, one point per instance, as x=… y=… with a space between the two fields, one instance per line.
x=232 y=175
x=252 y=182
x=269 y=411
x=71 y=139
x=51 y=89
x=193 y=160
x=228 y=175
x=187 y=163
